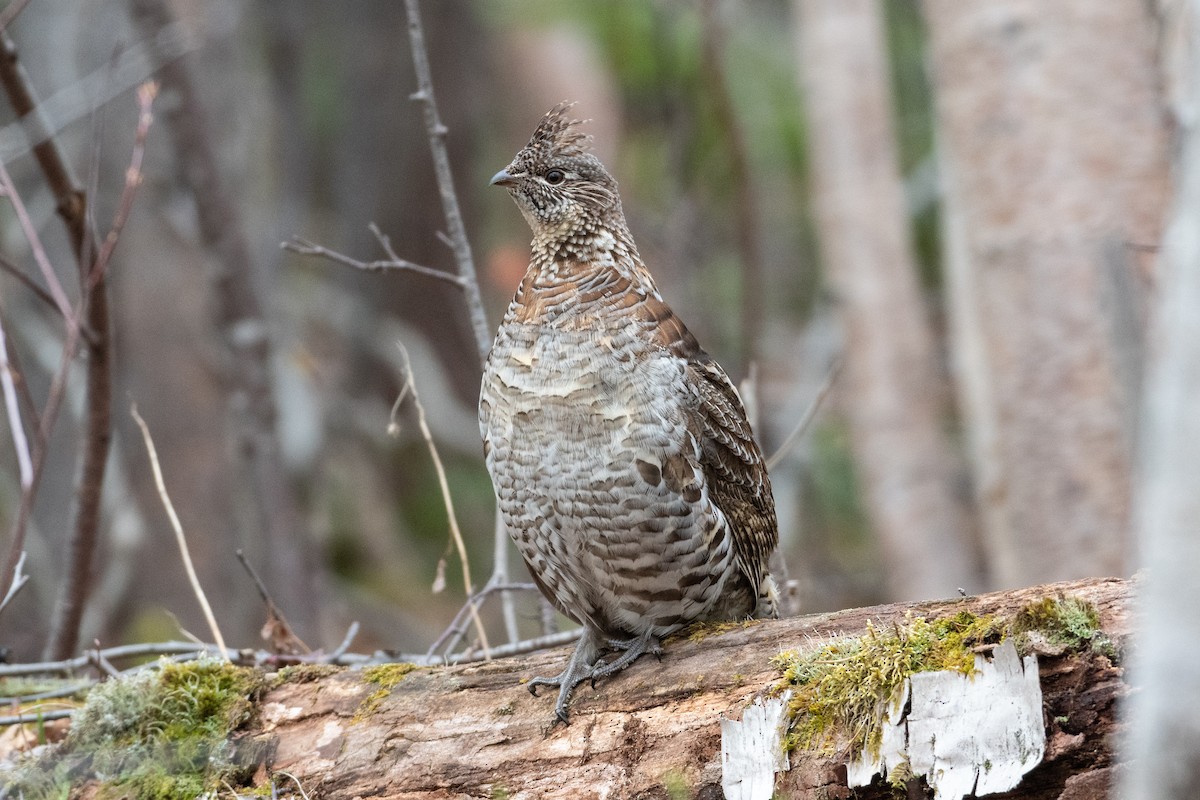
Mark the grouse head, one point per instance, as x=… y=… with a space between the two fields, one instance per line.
x=562 y=189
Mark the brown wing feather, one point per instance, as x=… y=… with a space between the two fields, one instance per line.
x=730 y=458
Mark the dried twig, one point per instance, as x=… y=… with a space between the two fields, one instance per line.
x=453 y=634
x=276 y=630
x=306 y=248
x=351 y=632
x=10 y=12
x=178 y=528
x=410 y=387
x=517 y=648
x=809 y=414
x=56 y=290
x=13 y=408
x=19 y=578
x=294 y=780
x=133 y=179
x=27 y=282
x=445 y=181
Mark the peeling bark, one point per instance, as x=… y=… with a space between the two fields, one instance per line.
x=652 y=731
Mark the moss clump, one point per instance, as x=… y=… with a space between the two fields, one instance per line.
x=1061 y=624
x=159 y=734
x=386 y=677
x=841 y=688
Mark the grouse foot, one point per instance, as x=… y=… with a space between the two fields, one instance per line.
x=584 y=666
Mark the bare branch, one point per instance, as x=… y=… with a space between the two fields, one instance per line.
x=56 y=290
x=19 y=578
x=27 y=282
x=13 y=407
x=445 y=180
x=454 y=632
x=10 y=12
x=306 y=248
x=133 y=179
x=351 y=632
x=178 y=528
x=517 y=648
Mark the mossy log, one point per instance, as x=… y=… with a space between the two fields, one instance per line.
x=654 y=730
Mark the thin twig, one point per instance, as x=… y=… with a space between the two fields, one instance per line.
x=133 y=179
x=295 y=780
x=410 y=386
x=10 y=12
x=518 y=648
x=27 y=282
x=306 y=248
x=809 y=414
x=52 y=694
x=351 y=632
x=456 y=628
x=57 y=292
x=178 y=528
x=445 y=180
x=19 y=578
x=32 y=719
x=117 y=652
x=13 y=408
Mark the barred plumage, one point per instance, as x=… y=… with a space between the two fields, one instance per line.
x=620 y=452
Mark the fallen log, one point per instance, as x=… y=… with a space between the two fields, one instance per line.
x=654 y=731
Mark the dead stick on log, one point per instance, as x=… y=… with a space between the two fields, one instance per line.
x=178 y=528
x=410 y=387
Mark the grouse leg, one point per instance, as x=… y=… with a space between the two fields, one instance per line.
x=580 y=668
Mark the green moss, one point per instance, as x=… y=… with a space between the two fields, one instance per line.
x=839 y=690
x=159 y=734
x=1062 y=623
x=386 y=677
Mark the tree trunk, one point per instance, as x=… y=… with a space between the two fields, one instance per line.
x=1163 y=744
x=1053 y=158
x=894 y=394
x=655 y=730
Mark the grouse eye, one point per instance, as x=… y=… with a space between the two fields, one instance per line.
x=555 y=177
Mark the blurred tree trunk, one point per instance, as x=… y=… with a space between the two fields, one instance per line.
x=1053 y=163
x=894 y=395
x=1163 y=744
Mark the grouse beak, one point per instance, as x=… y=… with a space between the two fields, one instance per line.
x=502 y=178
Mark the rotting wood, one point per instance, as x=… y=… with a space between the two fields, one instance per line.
x=473 y=730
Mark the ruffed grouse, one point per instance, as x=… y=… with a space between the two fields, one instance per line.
x=625 y=468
